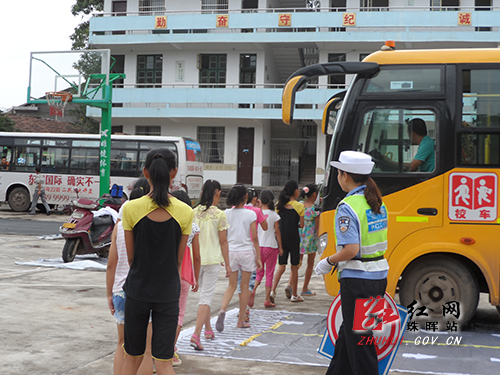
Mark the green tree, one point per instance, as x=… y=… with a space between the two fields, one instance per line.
x=82 y=8
x=87 y=124
x=6 y=123
x=88 y=63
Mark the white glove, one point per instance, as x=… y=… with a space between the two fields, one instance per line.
x=323 y=267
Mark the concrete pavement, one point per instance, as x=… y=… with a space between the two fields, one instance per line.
x=56 y=321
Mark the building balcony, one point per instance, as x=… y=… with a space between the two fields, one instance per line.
x=232 y=101
x=404 y=24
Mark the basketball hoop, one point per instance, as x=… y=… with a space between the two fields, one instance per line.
x=57 y=100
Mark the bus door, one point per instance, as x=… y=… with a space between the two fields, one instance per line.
x=414 y=198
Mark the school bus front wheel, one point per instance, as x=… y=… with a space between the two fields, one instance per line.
x=434 y=280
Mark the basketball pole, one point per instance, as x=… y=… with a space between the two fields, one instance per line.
x=106 y=105
x=105 y=145
x=87 y=97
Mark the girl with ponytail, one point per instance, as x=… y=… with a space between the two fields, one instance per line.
x=244 y=252
x=291 y=215
x=308 y=235
x=213 y=251
x=156 y=227
x=361 y=242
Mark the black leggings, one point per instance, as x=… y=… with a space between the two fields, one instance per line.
x=292 y=248
x=164 y=315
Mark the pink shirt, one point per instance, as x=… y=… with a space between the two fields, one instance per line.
x=260 y=216
x=122 y=266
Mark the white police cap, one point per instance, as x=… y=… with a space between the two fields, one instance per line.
x=354 y=162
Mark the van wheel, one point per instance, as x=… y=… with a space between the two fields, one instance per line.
x=19 y=199
x=69 y=249
x=436 y=280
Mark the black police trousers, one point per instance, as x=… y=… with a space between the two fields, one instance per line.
x=349 y=357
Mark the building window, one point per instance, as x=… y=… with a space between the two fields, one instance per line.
x=374 y=5
x=249 y=6
x=451 y=5
x=149 y=70
x=248 y=66
x=211 y=140
x=150 y=7
x=147 y=130
x=482 y=5
x=212 y=70
x=118 y=67
x=337 y=79
x=338 y=5
x=363 y=55
x=214 y=6
x=117 y=129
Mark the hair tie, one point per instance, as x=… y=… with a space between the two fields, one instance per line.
x=305 y=189
x=141 y=187
x=158 y=155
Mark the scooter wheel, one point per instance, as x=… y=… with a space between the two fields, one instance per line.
x=69 y=249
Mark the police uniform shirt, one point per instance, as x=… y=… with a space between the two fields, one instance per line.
x=347 y=230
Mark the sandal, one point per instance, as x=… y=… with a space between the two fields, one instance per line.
x=272 y=296
x=268 y=304
x=195 y=343
x=288 y=291
x=296 y=299
x=209 y=335
x=243 y=325
x=308 y=293
x=219 y=325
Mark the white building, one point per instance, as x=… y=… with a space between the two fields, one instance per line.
x=214 y=69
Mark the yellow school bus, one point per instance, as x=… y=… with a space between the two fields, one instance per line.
x=444 y=222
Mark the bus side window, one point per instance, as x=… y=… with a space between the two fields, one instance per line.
x=390 y=137
x=26 y=158
x=6 y=156
x=479 y=133
x=480 y=149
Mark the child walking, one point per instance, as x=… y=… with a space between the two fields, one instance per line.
x=157 y=227
x=292 y=218
x=270 y=245
x=190 y=270
x=213 y=251
x=244 y=252
x=308 y=235
x=116 y=273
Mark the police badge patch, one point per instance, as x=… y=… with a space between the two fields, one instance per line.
x=344 y=223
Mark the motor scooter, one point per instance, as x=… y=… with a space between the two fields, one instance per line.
x=86 y=233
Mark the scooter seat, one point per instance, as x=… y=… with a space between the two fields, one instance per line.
x=113 y=202
x=99 y=225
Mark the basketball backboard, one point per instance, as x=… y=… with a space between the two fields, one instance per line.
x=71 y=71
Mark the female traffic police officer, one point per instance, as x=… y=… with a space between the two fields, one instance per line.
x=361 y=233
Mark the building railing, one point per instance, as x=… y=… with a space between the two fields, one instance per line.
x=166 y=12
x=266 y=26
x=188 y=100
x=243 y=86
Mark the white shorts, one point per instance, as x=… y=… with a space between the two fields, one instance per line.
x=207 y=282
x=242 y=260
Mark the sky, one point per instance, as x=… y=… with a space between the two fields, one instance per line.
x=30 y=26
